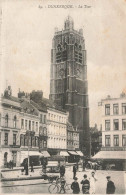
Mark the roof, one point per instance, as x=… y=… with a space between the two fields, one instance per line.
x=28 y=108
x=12 y=98
x=40 y=106
x=70 y=127
x=110 y=155
x=49 y=103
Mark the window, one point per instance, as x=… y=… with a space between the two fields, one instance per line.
x=36 y=126
x=26 y=124
x=44 y=119
x=124 y=108
x=36 y=141
x=22 y=123
x=107 y=125
x=6 y=120
x=123 y=140
x=123 y=124
x=6 y=139
x=116 y=140
x=15 y=121
x=0 y=118
x=32 y=125
x=107 y=140
x=25 y=141
x=116 y=124
x=14 y=139
x=45 y=131
x=40 y=118
x=0 y=138
x=107 y=109
x=22 y=140
x=29 y=125
x=115 y=109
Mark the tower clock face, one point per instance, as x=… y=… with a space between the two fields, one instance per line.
x=61 y=72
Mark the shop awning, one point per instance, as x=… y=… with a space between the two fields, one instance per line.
x=64 y=153
x=110 y=155
x=79 y=153
x=45 y=154
x=24 y=154
x=73 y=153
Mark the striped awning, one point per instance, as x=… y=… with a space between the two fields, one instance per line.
x=79 y=153
x=73 y=153
x=24 y=154
x=64 y=153
x=110 y=155
x=45 y=154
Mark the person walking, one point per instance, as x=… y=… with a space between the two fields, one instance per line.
x=85 y=185
x=92 y=183
x=110 y=186
x=26 y=167
x=74 y=171
x=32 y=169
x=75 y=186
x=62 y=171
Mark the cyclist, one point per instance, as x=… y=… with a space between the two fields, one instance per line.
x=62 y=182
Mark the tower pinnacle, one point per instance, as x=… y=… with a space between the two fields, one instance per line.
x=69 y=24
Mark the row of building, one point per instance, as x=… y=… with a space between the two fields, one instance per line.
x=33 y=124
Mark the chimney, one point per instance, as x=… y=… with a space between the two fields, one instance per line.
x=36 y=96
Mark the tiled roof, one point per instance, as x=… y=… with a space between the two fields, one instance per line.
x=40 y=106
x=49 y=103
x=12 y=98
x=28 y=108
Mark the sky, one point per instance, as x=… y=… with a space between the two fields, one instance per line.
x=27 y=32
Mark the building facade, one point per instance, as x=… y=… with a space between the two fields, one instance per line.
x=57 y=131
x=68 y=79
x=72 y=138
x=9 y=130
x=29 y=133
x=114 y=122
x=36 y=100
x=114 y=131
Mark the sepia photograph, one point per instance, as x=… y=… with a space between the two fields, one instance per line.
x=62 y=97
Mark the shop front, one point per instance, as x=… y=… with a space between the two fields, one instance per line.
x=112 y=160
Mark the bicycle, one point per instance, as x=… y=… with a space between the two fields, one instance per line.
x=58 y=188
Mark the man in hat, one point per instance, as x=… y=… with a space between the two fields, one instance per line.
x=92 y=183
x=74 y=171
x=110 y=186
x=75 y=186
x=85 y=185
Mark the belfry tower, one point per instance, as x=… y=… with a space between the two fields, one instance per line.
x=68 y=79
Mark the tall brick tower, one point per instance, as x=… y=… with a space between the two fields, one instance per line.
x=68 y=79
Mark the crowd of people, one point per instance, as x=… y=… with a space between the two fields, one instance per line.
x=88 y=185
